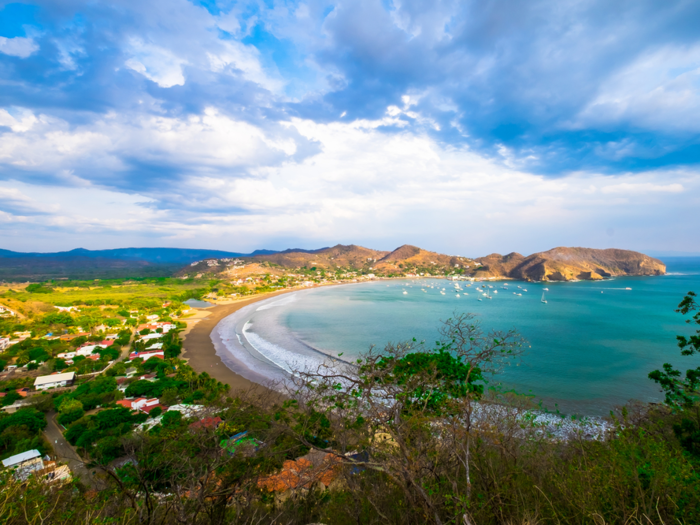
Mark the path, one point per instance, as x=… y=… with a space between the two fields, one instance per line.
x=65 y=452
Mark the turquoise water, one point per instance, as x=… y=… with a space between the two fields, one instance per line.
x=589 y=351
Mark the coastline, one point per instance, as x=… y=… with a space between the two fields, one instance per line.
x=200 y=353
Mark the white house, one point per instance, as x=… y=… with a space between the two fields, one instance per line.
x=24 y=464
x=4 y=342
x=147 y=354
x=54 y=380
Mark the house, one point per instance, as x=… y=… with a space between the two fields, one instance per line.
x=148 y=337
x=67 y=308
x=24 y=464
x=54 y=381
x=147 y=354
x=24 y=392
x=4 y=342
x=142 y=404
x=4 y=310
x=66 y=355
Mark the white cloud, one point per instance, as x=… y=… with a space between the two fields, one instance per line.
x=18 y=46
x=236 y=182
x=642 y=187
x=156 y=63
x=658 y=90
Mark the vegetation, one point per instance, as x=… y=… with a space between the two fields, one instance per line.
x=410 y=433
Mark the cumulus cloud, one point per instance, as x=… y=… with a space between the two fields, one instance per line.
x=339 y=120
x=18 y=46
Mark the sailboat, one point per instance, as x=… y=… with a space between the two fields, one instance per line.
x=543 y=299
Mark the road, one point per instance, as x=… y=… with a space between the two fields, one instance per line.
x=65 y=452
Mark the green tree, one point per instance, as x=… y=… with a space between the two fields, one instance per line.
x=682 y=393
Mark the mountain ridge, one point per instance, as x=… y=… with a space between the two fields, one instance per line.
x=560 y=263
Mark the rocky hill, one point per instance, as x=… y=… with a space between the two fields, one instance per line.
x=565 y=264
x=558 y=264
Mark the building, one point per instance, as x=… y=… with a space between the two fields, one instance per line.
x=146 y=355
x=141 y=404
x=54 y=381
x=24 y=464
x=4 y=342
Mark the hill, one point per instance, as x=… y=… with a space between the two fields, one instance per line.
x=93 y=264
x=565 y=264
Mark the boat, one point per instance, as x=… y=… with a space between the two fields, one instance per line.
x=495 y=291
x=546 y=289
x=457 y=295
x=628 y=288
x=524 y=289
x=543 y=299
x=479 y=298
x=405 y=292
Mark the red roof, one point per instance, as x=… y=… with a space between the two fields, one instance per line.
x=148 y=409
x=125 y=403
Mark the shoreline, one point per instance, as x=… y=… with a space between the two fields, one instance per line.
x=199 y=351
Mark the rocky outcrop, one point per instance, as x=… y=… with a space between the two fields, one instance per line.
x=566 y=264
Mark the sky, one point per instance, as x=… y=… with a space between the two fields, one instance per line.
x=464 y=127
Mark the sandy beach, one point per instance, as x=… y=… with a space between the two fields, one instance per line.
x=198 y=348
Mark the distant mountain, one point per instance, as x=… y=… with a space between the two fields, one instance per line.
x=101 y=264
x=557 y=264
x=149 y=255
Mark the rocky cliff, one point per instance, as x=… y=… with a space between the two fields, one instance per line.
x=565 y=264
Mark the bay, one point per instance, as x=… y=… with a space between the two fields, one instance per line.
x=590 y=347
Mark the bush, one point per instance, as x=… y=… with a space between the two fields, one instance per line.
x=67 y=418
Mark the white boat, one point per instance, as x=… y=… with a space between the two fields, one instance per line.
x=520 y=294
x=628 y=288
x=457 y=295
x=546 y=289
x=543 y=299
x=495 y=291
x=524 y=289
x=405 y=292
x=479 y=298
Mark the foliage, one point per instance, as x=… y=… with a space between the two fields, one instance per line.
x=682 y=391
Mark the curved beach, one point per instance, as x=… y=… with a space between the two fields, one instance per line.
x=199 y=350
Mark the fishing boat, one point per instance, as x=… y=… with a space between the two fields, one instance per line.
x=543 y=299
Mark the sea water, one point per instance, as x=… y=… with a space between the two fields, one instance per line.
x=589 y=348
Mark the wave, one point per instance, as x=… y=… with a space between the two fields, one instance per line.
x=289 y=361
x=682 y=273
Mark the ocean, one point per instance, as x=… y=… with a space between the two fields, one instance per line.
x=589 y=348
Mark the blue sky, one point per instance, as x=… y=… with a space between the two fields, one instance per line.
x=460 y=126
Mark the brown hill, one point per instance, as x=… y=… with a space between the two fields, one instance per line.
x=340 y=255
x=564 y=264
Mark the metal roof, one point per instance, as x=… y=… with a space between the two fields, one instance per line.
x=21 y=458
x=55 y=378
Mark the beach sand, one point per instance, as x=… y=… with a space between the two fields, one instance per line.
x=199 y=351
